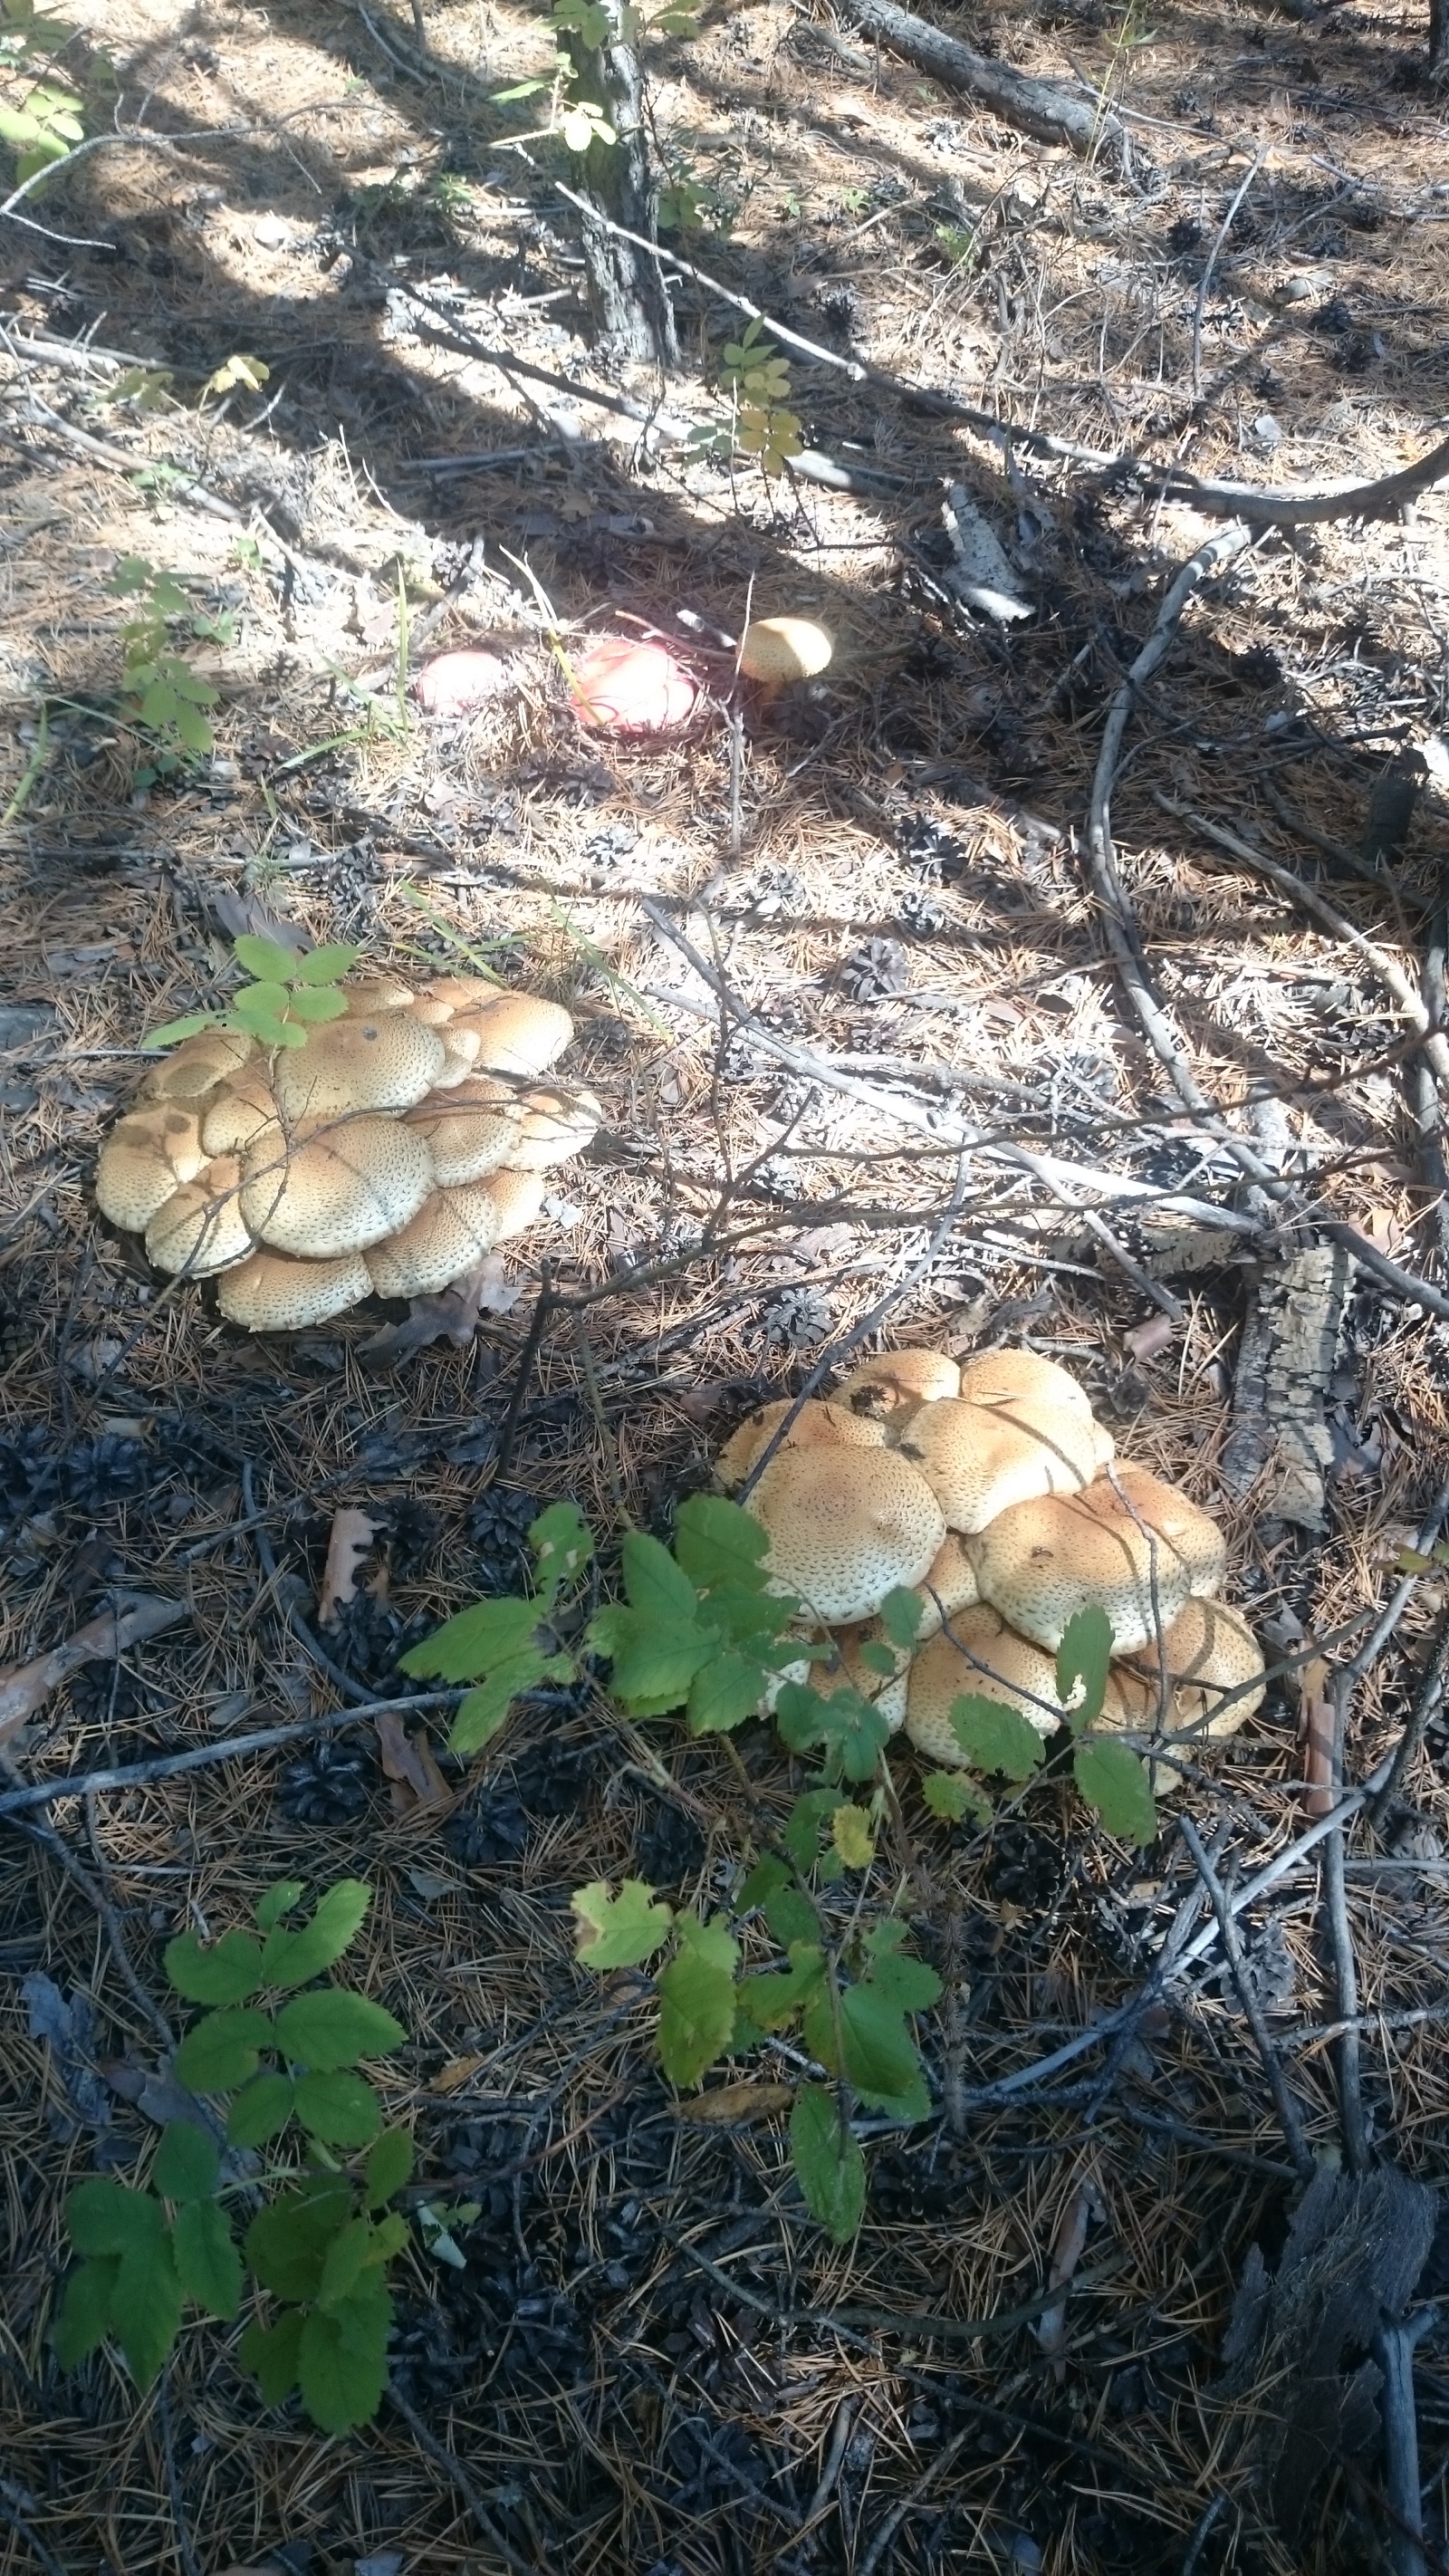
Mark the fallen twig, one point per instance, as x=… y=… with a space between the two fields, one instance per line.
x=25 y=1686
x=227 y=1748
x=1283 y=2103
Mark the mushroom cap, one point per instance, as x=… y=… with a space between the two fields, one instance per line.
x=369 y=994
x=1043 y=1561
x=387 y=1060
x=981 y=1459
x=1209 y=1649
x=886 y=1692
x=951 y=1578
x=892 y=1380
x=816 y=1426
x=143 y=1159
x=470 y=1133
x=464 y=992
x=997 y=1665
x=270 y=1294
x=623 y=685
x=776 y=649
x=240 y=1112
x=449 y=1235
x=516 y=1198
x=1179 y=1522
x=461 y=1044
x=201 y=1228
x=518 y=1033
x=556 y=1125
x=194 y=1069
x=1002 y=1377
x=845 y=1526
x=335 y=1189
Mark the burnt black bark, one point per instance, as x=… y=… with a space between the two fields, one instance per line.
x=628 y=295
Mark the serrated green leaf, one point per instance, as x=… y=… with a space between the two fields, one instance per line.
x=159 y=704
x=186 y=2163
x=905 y=1982
x=1084 y=1655
x=342 y=2365
x=292 y=1958
x=849 y=1728
x=654 y=1658
x=85 y=2313
x=723 y=1693
x=953 y=1798
x=619 y=1931
x=279 y=1033
x=880 y=2062
x=765 y=1880
x=346 y=2259
x=995 y=1738
x=878 y=1658
x=337 y=2108
x=562 y=1543
x=389 y=2164
x=770 y=2002
x=260 y=2111
x=829 y=2166
x=851 y=1833
x=278 y=1900
x=801 y=1837
x=335 y=2028
x=260 y=1006
x=223 y=2050
x=1115 y=1782
x=146 y=2308
x=272 y=2353
x=106 y=2217
x=716 y=1543
x=791 y=1917
x=324 y=965
x=175 y=1030
x=286 y=2243
x=697 y=1999
x=266 y=959
x=481 y=1711
x=224 y=1972
x=471 y=1643
x=316 y=1004
x=208 y=2265
x=193 y=730
x=657 y=1588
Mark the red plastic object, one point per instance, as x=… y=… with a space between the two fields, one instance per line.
x=619 y=686
x=456 y=683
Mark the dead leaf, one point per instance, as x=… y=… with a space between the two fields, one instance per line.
x=407 y=1761
x=743 y=2101
x=1315 y=1733
x=1068 y=2247
x=458 y=2072
x=352 y=1536
x=24 y=1686
x=241 y=915
x=1147 y=1340
x=451 y=1317
x=431 y=1883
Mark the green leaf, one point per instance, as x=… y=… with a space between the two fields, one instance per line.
x=851 y=1833
x=337 y=2108
x=481 y=1711
x=878 y=1658
x=108 y=2218
x=222 y=2051
x=829 y=2166
x=291 y=1958
x=716 y=1544
x=335 y=2028
x=954 y=1799
x=186 y=2163
x=225 y=1972
x=619 y=1931
x=723 y=1693
x=316 y=1004
x=654 y=1658
x=389 y=2164
x=908 y=1983
x=193 y=730
x=1084 y=1655
x=273 y=2353
x=267 y=959
x=850 y=1729
x=207 y=2262
x=697 y=1999
x=765 y=1880
x=260 y=2111
x=158 y=705
x=1115 y=1781
x=260 y=1006
x=562 y=1543
x=879 y=2056
x=85 y=2314
x=472 y=1642
x=656 y=1586
x=772 y=2002
x=901 y=1613
x=175 y=1030
x=995 y=1738
x=791 y=1917
x=286 y=2243
x=278 y=1900
x=323 y=965
x=146 y=2308
x=347 y=2258
x=801 y=1837
x=342 y=2362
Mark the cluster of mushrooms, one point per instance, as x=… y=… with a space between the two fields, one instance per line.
x=384 y=1157
x=990 y=1491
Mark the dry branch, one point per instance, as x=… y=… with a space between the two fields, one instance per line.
x=1035 y=107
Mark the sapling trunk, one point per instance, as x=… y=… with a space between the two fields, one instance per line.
x=628 y=296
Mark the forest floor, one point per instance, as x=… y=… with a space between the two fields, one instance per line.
x=894 y=1002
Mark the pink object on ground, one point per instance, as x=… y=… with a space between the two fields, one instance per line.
x=456 y=683
x=618 y=686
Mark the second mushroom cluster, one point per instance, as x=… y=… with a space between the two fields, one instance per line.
x=990 y=1490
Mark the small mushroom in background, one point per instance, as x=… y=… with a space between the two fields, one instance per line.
x=774 y=651
x=387 y=1155
x=621 y=685
x=457 y=684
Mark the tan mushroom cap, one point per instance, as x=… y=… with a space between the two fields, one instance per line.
x=1003 y=1377
x=1043 y=1561
x=892 y=1380
x=194 y=1069
x=461 y=1047
x=386 y=1060
x=555 y=1126
x=817 y=1425
x=950 y=1581
x=469 y=1133
x=465 y=992
x=516 y=1198
x=777 y=649
x=845 y=1527
x=335 y=1189
x=1208 y=1650
x=981 y=1459
x=449 y=1235
x=240 y=1113
x=997 y=1665
x=202 y=1229
x=142 y=1161
x=270 y=1294
x=372 y=993
x=1184 y=1529
x=518 y=1033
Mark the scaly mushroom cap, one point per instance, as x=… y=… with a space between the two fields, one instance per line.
x=385 y=1061
x=193 y=1070
x=948 y=1585
x=981 y=1459
x=997 y=1664
x=464 y=992
x=845 y=1527
x=518 y=1033
x=240 y=1113
x=373 y=993
x=556 y=1125
x=777 y=649
x=1178 y=1523
x=816 y=1426
x=516 y=1198
x=270 y=1294
x=1004 y=1377
x=143 y=1159
x=335 y=1189
x=461 y=1046
x=892 y=1380
x=449 y=1235
x=202 y=1228
x=469 y=1134
x=1041 y=1562
x=1208 y=1650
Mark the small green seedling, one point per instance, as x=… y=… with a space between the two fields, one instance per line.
x=165 y=699
x=291 y=994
